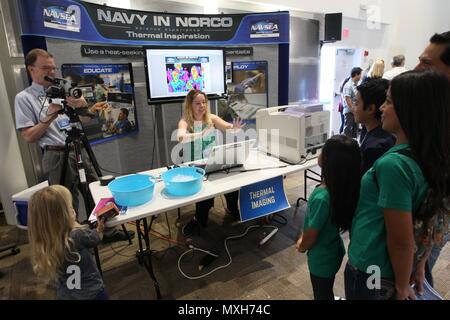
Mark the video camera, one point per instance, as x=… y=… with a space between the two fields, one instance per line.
x=59 y=91
x=62 y=88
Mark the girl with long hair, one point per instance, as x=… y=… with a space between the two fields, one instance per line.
x=382 y=242
x=60 y=246
x=330 y=212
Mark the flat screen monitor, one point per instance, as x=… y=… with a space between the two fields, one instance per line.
x=171 y=72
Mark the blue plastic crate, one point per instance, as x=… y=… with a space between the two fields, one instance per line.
x=22 y=212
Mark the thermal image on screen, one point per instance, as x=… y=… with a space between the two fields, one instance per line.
x=185 y=73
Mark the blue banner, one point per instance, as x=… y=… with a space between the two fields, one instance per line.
x=262 y=198
x=90 y=22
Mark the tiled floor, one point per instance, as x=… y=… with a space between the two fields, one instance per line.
x=272 y=271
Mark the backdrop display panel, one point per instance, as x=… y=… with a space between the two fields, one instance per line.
x=109 y=92
x=172 y=72
x=247 y=91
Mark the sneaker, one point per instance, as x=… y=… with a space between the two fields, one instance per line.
x=189 y=228
x=118 y=235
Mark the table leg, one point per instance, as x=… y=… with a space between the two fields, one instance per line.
x=144 y=256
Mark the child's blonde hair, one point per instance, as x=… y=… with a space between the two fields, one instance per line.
x=188 y=114
x=51 y=217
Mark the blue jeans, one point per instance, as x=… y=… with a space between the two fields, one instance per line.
x=350 y=126
x=434 y=255
x=341 y=128
x=356 y=286
x=102 y=295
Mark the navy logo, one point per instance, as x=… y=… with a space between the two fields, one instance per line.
x=61 y=18
x=265 y=29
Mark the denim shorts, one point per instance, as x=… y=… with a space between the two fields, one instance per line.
x=356 y=286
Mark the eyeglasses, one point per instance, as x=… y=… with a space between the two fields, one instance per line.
x=47 y=68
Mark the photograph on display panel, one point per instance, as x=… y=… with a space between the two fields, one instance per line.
x=247 y=91
x=184 y=75
x=109 y=92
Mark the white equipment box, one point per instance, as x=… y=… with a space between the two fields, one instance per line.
x=292 y=133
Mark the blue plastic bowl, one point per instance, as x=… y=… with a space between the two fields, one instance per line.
x=132 y=190
x=183 y=181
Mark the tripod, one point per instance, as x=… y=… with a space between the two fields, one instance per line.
x=76 y=139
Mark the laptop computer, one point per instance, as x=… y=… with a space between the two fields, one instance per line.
x=227 y=156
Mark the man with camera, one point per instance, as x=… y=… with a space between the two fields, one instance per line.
x=43 y=122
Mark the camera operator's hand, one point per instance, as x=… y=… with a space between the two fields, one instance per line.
x=76 y=103
x=52 y=111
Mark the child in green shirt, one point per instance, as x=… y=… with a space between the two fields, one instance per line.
x=330 y=211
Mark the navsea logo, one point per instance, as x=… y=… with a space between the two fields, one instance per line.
x=61 y=18
x=265 y=29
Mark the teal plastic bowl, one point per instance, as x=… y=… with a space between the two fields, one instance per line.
x=183 y=181
x=132 y=190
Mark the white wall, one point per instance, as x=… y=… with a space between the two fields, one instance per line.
x=411 y=32
x=12 y=173
x=405 y=26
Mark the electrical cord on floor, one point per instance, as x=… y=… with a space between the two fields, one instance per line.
x=193 y=248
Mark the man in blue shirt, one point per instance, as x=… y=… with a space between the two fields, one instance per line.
x=40 y=121
x=349 y=98
x=375 y=142
x=122 y=125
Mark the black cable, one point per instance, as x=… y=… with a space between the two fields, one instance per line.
x=256 y=169
x=154 y=136
x=40 y=111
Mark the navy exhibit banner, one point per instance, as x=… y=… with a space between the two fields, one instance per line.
x=109 y=92
x=91 y=22
x=262 y=198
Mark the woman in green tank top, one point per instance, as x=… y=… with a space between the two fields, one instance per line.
x=198 y=127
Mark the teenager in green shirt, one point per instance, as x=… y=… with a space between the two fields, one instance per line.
x=382 y=244
x=330 y=211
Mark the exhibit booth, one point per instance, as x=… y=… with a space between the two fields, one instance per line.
x=147 y=61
